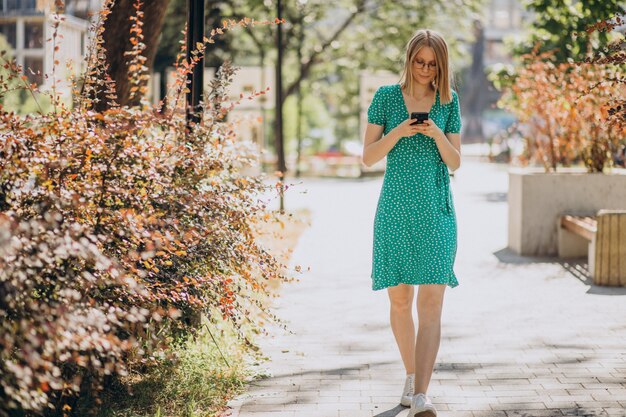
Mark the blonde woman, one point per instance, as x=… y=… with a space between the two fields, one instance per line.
x=415 y=231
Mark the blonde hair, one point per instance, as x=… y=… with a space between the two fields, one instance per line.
x=443 y=78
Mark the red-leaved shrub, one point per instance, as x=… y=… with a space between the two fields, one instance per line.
x=563 y=110
x=117 y=230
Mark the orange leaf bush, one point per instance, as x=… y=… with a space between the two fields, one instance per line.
x=563 y=112
x=118 y=229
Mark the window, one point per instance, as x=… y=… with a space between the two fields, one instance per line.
x=33 y=68
x=8 y=30
x=18 y=5
x=33 y=35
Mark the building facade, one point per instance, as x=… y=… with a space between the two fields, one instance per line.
x=28 y=25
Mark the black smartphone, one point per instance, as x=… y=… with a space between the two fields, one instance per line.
x=420 y=117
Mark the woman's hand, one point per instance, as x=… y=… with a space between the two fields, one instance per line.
x=429 y=128
x=405 y=129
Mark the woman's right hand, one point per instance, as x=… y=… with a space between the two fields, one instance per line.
x=405 y=129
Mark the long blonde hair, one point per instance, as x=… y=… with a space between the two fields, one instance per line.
x=443 y=78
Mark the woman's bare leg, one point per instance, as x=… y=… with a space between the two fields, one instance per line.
x=429 y=307
x=401 y=298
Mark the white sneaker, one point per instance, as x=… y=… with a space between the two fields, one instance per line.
x=422 y=407
x=407 y=392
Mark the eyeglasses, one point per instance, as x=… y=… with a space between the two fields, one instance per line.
x=421 y=65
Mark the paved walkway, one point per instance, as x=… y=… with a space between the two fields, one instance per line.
x=520 y=336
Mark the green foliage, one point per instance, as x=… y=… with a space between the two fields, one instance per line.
x=613 y=54
x=314 y=116
x=13 y=95
x=502 y=76
x=561 y=25
x=373 y=40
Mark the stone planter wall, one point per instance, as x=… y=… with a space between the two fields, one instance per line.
x=536 y=199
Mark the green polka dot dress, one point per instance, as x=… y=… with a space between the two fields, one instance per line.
x=415 y=233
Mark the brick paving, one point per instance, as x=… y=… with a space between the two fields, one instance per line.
x=520 y=336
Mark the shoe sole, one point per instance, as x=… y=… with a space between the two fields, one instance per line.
x=423 y=413
x=405 y=402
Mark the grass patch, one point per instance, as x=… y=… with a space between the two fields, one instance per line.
x=209 y=370
x=199 y=382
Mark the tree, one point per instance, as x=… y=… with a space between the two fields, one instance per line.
x=476 y=87
x=561 y=25
x=324 y=43
x=332 y=47
x=172 y=36
x=117 y=41
x=336 y=77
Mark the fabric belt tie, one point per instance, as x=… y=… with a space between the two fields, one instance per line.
x=443 y=186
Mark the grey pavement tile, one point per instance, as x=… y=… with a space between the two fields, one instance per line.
x=617 y=411
x=454 y=413
x=519 y=405
x=516 y=393
x=484 y=388
x=338 y=406
x=534 y=413
x=468 y=407
x=355 y=413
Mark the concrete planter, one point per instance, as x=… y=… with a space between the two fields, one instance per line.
x=536 y=199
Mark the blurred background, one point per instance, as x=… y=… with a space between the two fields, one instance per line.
x=335 y=56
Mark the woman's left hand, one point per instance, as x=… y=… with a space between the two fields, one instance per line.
x=429 y=128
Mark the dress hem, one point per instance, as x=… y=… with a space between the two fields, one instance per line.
x=449 y=284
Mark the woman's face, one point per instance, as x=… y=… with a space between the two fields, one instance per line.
x=424 y=66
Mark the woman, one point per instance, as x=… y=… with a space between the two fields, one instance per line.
x=415 y=232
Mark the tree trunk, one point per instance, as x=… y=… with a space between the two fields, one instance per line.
x=476 y=89
x=116 y=41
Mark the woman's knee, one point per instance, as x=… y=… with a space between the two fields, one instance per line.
x=430 y=304
x=401 y=297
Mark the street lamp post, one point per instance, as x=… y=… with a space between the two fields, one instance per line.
x=195 y=34
x=280 y=152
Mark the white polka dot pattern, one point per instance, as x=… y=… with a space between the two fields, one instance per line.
x=415 y=231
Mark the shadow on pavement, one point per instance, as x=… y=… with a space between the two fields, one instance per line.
x=577 y=267
x=493 y=197
x=553 y=412
x=392 y=412
x=507 y=256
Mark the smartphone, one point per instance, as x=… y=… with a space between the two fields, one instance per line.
x=420 y=117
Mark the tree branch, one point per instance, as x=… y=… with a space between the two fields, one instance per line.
x=305 y=68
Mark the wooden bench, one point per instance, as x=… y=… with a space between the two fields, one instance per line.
x=605 y=234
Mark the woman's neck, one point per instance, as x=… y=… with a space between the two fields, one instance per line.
x=420 y=90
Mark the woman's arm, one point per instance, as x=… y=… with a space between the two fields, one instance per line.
x=374 y=147
x=449 y=145
x=448 y=140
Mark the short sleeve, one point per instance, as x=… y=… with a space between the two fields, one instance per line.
x=454 y=124
x=376 y=111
